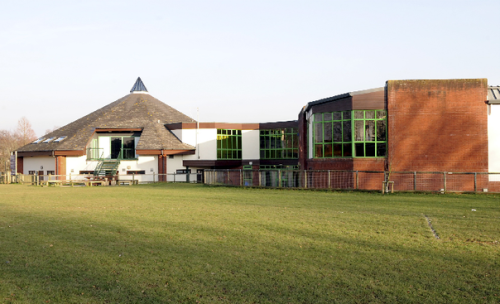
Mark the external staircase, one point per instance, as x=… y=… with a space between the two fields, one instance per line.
x=106 y=167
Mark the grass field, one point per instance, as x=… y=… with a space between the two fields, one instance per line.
x=186 y=243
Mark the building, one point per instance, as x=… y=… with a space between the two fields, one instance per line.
x=138 y=134
x=404 y=126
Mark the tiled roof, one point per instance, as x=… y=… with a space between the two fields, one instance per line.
x=132 y=111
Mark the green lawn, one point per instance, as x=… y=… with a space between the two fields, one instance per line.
x=186 y=243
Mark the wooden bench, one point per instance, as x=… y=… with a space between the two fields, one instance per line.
x=127 y=182
x=55 y=182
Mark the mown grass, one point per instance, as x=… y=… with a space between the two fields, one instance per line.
x=195 y=244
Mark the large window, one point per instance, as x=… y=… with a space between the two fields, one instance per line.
x=358 y=133
x=228 y=144
x=279 y=144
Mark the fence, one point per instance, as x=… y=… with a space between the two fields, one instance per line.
x=358 y=180
x=86 y=178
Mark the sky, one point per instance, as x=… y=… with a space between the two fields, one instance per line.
x=230 y=61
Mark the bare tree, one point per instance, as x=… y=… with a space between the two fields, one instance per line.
x=11 y=141
x=24 y=132
x=8 y=143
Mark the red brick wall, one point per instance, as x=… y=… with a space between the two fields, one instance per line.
x=437 y=125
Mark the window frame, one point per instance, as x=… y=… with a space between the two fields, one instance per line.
x=279 y=143
x=229 y=144
x=348 y=145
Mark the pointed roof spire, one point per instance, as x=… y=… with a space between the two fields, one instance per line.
x=139 y=86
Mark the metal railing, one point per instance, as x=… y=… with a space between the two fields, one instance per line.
x=358 y=180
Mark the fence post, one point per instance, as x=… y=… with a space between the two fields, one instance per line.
x=227 y=173
x=260 y=178
x=329 y=180
x=279 y=178
x=241 y=178
x=357 y=180
x=133 y=178
x=475 y=181
x=414 y=180
x=154 y=177
x=444 y=181
x=305 y=179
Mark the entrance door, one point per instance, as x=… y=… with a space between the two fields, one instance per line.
x=40 y=175
x=116 y=146
x=200 y=176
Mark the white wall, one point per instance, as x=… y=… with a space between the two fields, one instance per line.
x=79 y=163
x=105 y=144
x=494 y=141
x=207 y=143
x=33 y=164
x=145 y=163
x=251 y=144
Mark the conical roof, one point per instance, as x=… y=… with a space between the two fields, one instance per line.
x=133 y=111
x=138 y=86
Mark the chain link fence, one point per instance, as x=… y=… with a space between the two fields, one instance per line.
x=358 y=180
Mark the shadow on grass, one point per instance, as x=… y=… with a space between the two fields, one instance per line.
x=82 y=259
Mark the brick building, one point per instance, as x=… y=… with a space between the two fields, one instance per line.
x=408 y=125
x=405 y=126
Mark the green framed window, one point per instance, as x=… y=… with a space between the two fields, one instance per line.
x=281 y=143
x=228 y=144
x=357 y=133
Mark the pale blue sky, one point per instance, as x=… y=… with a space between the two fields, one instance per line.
x=237 y=61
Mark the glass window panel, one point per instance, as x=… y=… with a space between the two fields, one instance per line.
x=381 y=149
x=219 y=143
x=273 y=154
x=219 y=154
x=359 y=150
x=337 y=150
x=328 y=131
x=279 y=143
x=346 y=115
x=318 y=151
x=337 y=115
x=219 y=131
x=346 y=132
x=239 y=143
x=347 y=149
x=318 y=132
x=381 y=114
x=295 y=140
x=116 y=146
x=328 y=150
x=268 y=154
x=337 y=131
x=370 y=130
x=262 y=153
x=262 y=142
x=239 y=154
x=295 y=153
x=381 y=130
x=358 y=114
x=239 y=132
x=359 y=130
x=370 y=149
x=318 y=117
x=327 y=116
x=369 y=114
